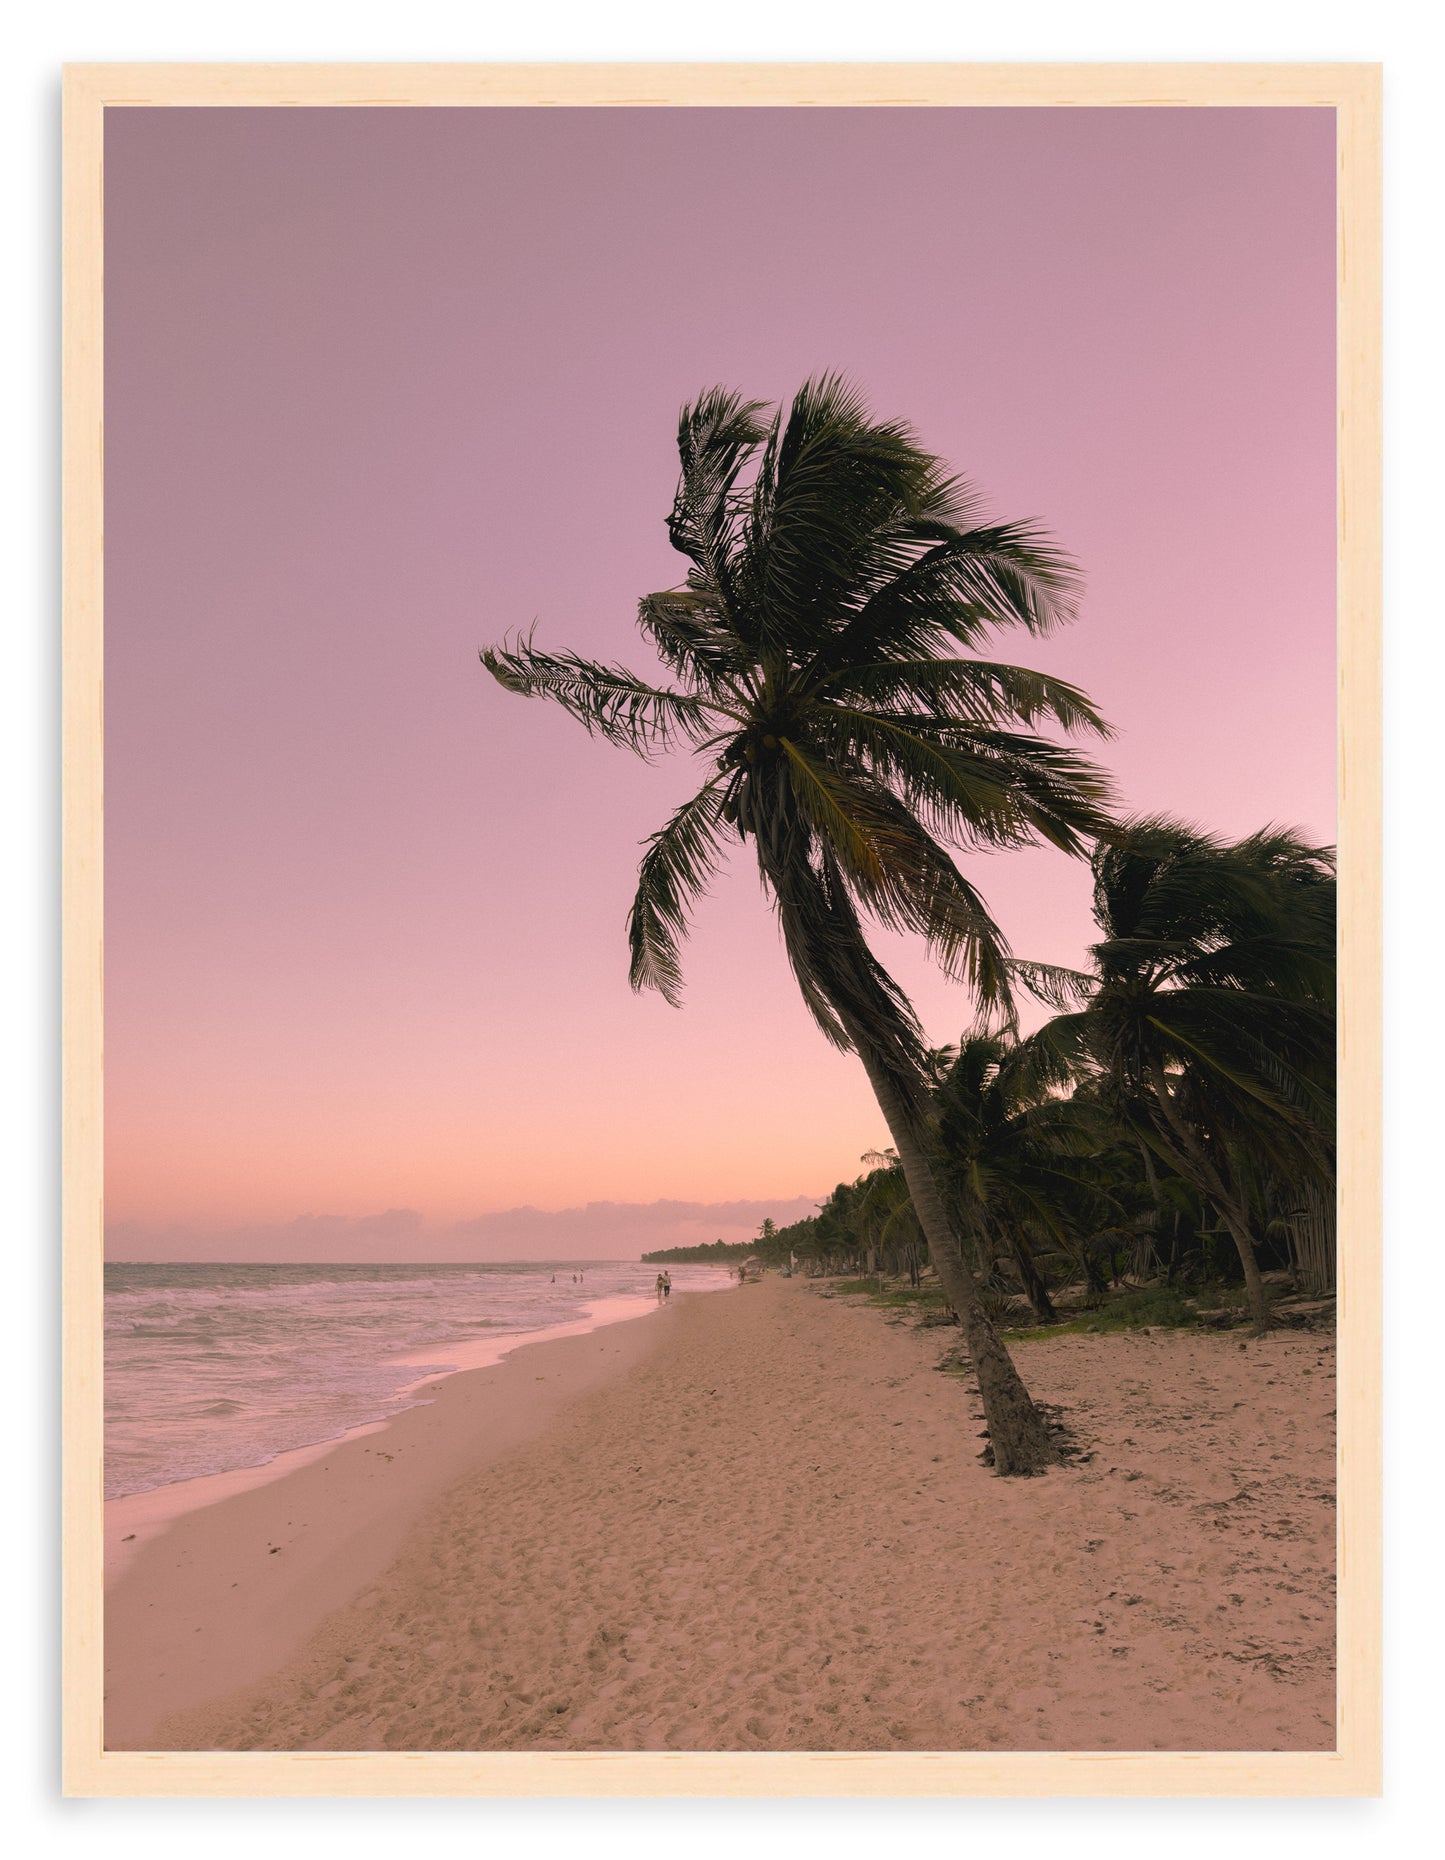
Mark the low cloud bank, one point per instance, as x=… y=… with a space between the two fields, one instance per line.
x=600 y=1230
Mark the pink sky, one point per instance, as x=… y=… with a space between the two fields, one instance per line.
x=383 y=385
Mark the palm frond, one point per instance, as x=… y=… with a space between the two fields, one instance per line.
x=1057 y=987
x=976 y=787
x=716 y=436
x=970 y=691
x=1059 y=1053
x=608 y=700
x=969 y=583
x=862 y=838
x=681 y=858
x=831 y=502
x=900 y=874
x=692 y=638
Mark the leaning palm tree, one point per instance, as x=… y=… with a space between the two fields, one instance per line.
x=834 y=566
x=1206 y=1025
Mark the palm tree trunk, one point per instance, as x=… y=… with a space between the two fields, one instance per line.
x=1035 y=1290
x=1239 y=1228
x=1016 y=1429
x=1189 y=1159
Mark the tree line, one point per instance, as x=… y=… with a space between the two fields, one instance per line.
x=1174 y=1123
x=708 y=1253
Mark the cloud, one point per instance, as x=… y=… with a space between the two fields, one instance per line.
x=600 y=1230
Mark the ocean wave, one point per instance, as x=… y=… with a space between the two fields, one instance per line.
x=208 y=1369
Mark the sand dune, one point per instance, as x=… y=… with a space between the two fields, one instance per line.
x=770 y=1531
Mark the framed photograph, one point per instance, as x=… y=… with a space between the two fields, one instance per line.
x=785 y=1216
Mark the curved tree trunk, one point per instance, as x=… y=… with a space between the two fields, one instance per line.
x=1243 y=1238
x=1035 y=1290
x=1188 y=1157
x=834 y=966
x=1016 y=1429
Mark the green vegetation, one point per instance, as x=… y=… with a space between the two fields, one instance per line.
x=1150 y=1308
x=824 y=657
x=896 y=1297
x=1205 y=1029
x=714 y=1253
x=1193 y=1157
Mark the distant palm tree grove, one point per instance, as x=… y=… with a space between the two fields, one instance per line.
x=1172 y=1126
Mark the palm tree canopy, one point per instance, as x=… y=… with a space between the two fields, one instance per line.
x=811 y=653
x=1011 y=1152
x=1211 y=996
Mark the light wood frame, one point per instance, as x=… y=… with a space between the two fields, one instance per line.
x=1353 y=1768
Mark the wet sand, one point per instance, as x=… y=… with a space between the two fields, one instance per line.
x=761 y=1524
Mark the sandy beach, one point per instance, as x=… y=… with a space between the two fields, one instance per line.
x=757 y=1521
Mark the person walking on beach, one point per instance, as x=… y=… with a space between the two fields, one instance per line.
x=659 y=1288
x=667 y=1285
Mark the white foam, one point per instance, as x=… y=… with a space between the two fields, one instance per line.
x=259 y=1365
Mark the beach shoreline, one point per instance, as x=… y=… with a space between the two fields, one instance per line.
x=762 y=1524
x=133 y=1519
x=212 y=1582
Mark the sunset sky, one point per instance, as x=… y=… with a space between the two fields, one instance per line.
x=385 y=384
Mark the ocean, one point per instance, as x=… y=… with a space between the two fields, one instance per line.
x=209 y=1368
